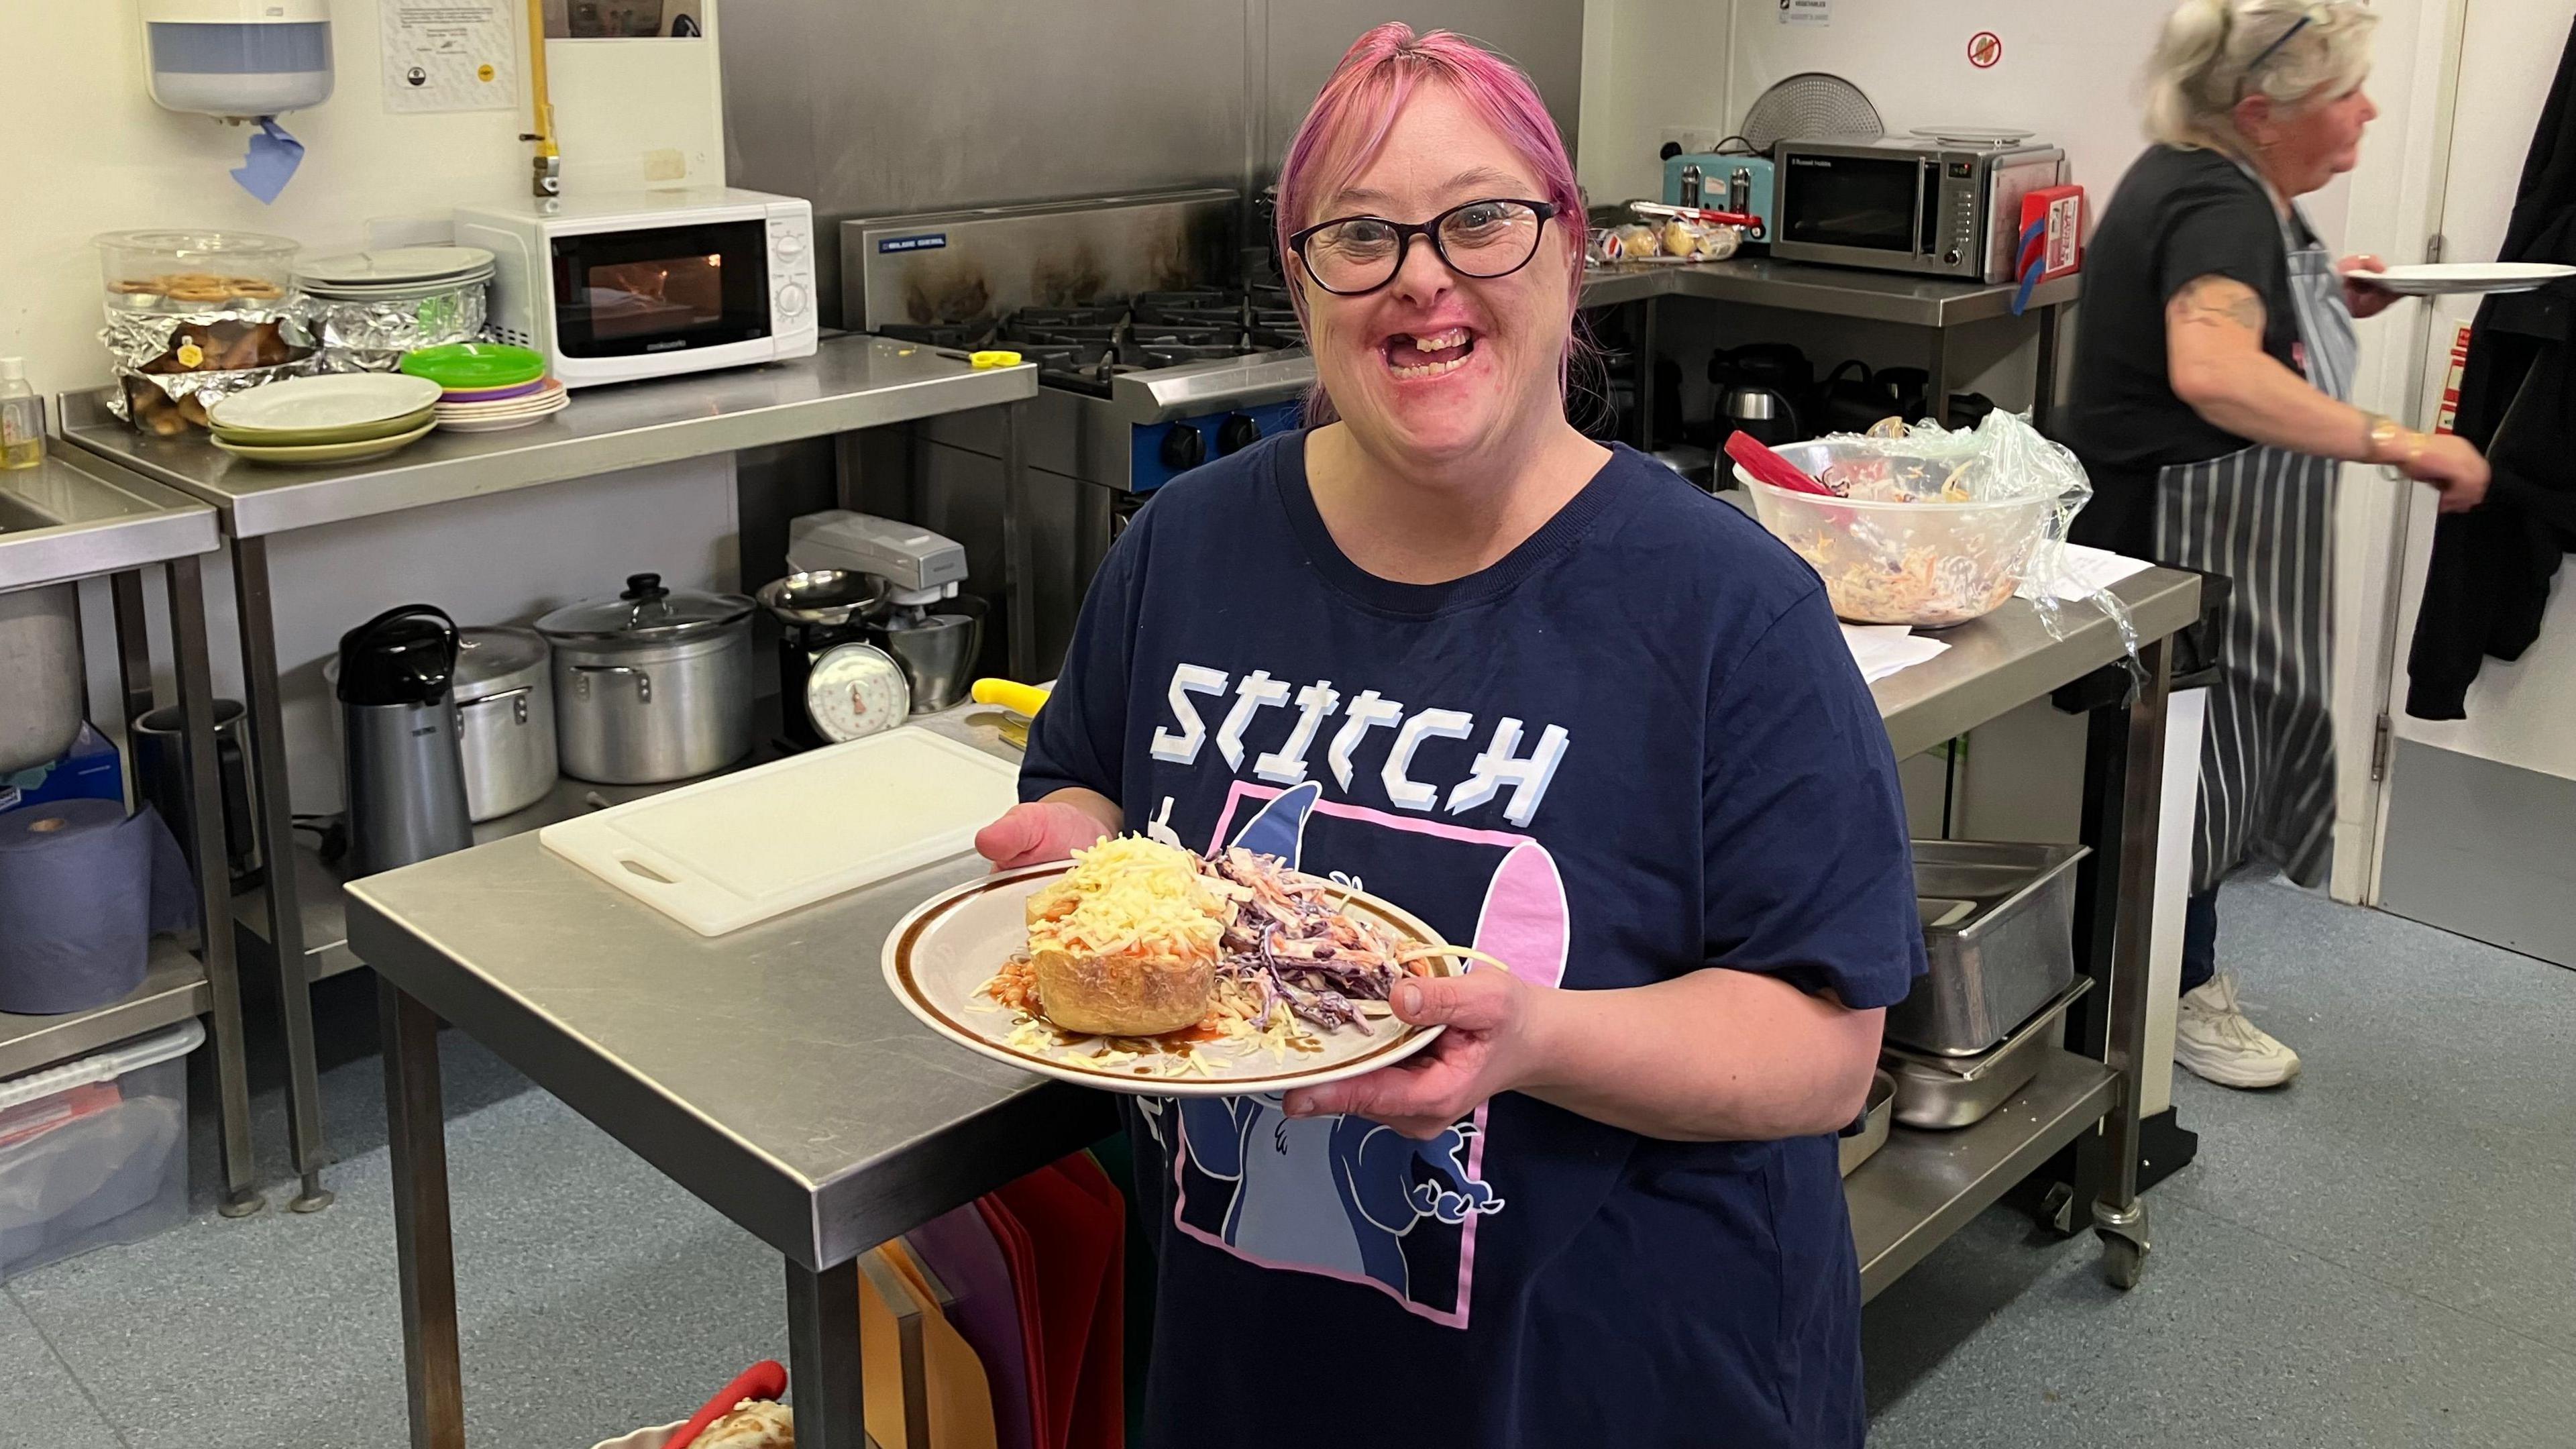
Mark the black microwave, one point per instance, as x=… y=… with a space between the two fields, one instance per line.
x=1931 y=207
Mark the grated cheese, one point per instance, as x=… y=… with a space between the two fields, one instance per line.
x=1130 y=894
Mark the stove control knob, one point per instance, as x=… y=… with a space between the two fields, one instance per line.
x=1238 y=432
x=1183 y=448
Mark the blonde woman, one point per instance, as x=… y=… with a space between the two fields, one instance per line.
x=2212 y=404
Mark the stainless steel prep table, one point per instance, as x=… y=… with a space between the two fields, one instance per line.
x=74 y=517
x=851 y=383
x=1929 y=303
x=770 y=1072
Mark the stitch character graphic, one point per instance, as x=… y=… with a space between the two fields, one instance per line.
x=1343 y=1196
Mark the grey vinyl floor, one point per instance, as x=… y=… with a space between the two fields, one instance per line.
x=2382 y=1254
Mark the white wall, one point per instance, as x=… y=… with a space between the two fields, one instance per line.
x=1648 y=65
x=90 y=152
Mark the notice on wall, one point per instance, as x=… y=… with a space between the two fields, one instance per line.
x=450 y=55
x=1806 y=12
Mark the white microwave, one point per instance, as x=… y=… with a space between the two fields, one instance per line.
x=612 y=288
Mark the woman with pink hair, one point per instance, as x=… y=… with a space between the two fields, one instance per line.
x=1557 y=701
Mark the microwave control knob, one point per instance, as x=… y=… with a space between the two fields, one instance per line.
x=1238 y=432
x=790 y=244
x=1183 y=448
x=791 y=299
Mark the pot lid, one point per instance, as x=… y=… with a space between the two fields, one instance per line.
x=484 y=655
x=825 y=596
x=646 y=610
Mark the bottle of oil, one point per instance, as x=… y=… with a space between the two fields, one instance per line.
x=22 y=417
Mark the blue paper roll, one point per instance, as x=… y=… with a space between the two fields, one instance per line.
x=82 y=888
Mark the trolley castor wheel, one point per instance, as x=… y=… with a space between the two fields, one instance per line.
x=2123 y=1232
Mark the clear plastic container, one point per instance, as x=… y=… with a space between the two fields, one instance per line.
x=1928 y=564
x=195 y=271
x=95 y=1152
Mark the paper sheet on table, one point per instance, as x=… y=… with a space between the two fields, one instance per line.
x=1882 y=649
x=2087 y=569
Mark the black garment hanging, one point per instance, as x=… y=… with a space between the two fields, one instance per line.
x=2489 y=580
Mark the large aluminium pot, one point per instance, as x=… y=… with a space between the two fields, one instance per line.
x=40 y=675
x=651 y=685
x=505 y=720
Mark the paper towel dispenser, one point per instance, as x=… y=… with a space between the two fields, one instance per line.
x=238 y=59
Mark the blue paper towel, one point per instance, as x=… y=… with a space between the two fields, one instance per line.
x=82 y=888
x=271 y=164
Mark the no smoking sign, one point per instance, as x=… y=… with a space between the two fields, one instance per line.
x=1985 y=50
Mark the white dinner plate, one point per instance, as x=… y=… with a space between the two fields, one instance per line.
x=338 y=400
x=396 y=265
x=2437 y=278
x=498 y=422
x=546 y=398
x=938 y=958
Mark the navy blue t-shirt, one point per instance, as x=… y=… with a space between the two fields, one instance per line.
x=1634 y=748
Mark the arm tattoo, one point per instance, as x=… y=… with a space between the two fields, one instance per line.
x=2216 y=301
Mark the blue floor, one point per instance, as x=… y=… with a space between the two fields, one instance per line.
x=2382 y=1254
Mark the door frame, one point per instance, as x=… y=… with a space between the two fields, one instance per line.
x=2407 y=184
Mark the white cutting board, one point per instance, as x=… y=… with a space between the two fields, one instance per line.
x=734 y=851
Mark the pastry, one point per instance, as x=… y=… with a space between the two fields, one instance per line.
x=254 y=289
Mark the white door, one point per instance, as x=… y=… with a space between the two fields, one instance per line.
x=2479 y=815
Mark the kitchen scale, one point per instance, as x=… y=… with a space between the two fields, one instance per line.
x=855 y=614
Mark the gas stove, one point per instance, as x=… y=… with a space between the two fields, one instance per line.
x=1155 y=351
x=1160 y=344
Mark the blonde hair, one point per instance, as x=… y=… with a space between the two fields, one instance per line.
x=2214 y=53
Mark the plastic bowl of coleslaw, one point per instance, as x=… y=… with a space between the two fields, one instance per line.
x=1939 y=557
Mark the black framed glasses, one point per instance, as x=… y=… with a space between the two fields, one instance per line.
x=1351 y=256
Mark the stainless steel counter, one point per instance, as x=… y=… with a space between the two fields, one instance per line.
x=2006 y=658
x=768 y=1071
x=1825 y=291
x=75 y=517
x=850 y=383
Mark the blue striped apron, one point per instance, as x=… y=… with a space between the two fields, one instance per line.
x=2264 y=517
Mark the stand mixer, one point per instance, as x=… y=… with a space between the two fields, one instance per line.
x=935 y=649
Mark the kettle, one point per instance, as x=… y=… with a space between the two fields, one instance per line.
x=406 y=768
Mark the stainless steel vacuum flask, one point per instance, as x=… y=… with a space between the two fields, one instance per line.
x=406 y=771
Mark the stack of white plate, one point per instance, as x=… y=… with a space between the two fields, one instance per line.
x=520 y=407
x=344 y=418
x=397 y=274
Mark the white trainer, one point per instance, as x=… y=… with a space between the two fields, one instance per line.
x=2213 y=1039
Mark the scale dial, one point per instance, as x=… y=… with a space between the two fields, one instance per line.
x=855 y=690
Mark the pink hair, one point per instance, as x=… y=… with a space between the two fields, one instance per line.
x=1348 y=124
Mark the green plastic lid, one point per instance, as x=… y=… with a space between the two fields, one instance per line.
x=473 y=366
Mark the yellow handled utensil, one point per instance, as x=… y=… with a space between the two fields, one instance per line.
x=1010 y=694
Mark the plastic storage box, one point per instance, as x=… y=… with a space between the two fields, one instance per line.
x=95 y=1152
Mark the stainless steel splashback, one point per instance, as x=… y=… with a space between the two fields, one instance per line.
x=869 y=108
x=960 y=266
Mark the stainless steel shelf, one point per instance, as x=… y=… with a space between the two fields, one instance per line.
x=75 y=516
x=1922 y=1186
x=173 y=990
x=1823 y=291
x=849 y=384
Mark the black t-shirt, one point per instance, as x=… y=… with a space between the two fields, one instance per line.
x=1601 y=797
x=2177 y=216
